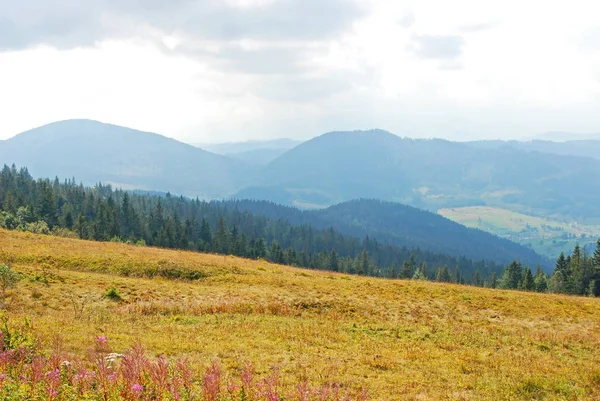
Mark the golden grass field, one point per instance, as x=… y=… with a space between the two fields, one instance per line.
x=403 y=340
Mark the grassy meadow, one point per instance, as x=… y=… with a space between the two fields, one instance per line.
x=545 y=236
x=403 y=340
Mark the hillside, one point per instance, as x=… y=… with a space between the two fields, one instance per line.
x=547 y=237
x=103 y=214
x=94 y=152
x=433 y=174
x=402 y=225
x=332 y=168
x=400 y=339
x=580 y=148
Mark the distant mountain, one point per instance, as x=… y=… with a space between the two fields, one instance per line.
x=330 y=169
x=562 y=136
x=247 y=146
x=402 y=225
x=259 y=157
x=431 y=174
x=581 y=148
x=95 y=152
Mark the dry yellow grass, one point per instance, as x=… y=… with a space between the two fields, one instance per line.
x=403 y=340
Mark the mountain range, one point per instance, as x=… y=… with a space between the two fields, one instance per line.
x=94 y=152
x=252 y=152
x=529 y=177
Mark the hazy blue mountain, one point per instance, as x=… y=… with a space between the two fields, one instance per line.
x=93 y=152
x=431 y=174
x=258 y=157
x=582 y=148
x=402 y=225
x=562 y=136
x=247 y=146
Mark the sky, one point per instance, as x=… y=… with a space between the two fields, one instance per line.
x=234 y=70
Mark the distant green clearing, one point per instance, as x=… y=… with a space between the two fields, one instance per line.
x=545 y=236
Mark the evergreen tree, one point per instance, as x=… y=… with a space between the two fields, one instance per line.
x=540 y=281
x=333 y=262
x=528 y=284
x=512 y=276
x=443 y=275
x=205 y=235
x=408 y=268
x=594 y=287
x=221 y=238
x=476 y=279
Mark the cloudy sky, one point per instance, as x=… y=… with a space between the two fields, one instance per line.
x=225 y=70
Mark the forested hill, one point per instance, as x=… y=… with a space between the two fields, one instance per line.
x=100 y=213
x=403 y=225
x=332 y=168
x=431 y=174
x=127 y=158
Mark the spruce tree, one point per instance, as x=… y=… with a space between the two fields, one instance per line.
x=540 y=281
x=221 y=240
x=333 y=262
x=443 y=275
x=527 y=284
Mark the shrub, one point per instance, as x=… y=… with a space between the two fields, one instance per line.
x=113 y=294
x=64 y=233
x=38 y=227
x=7 y=220
x=8 y=279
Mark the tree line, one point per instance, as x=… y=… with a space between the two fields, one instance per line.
x=104 y=214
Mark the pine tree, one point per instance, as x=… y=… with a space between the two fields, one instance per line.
x=205 y=236
x=556 y=284
x=333 y=262
x=234 y=241
x=260 y=249
x=561 y=264
x=408 y=268
x=493 y=281
x=476 y=279
x=363 y=263
x=420 y=273
x=221 y=240
x=576 y=279
x=540 y=281
x=512 y=276
x=443 y=275
x=527 y=284
x=594 y=287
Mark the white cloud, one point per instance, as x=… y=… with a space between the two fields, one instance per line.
x=458 y=69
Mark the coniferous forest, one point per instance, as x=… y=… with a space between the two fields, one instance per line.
x=103 y=214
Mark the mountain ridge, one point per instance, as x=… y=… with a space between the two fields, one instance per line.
x=128 y=158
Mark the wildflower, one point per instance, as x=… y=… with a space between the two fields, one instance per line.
x=137 y=389
x=112 y=357
x=101 y=339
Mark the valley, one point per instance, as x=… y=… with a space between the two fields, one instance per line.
x=544 y=236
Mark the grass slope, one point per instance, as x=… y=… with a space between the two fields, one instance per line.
x=402 y=339
x=546 y=237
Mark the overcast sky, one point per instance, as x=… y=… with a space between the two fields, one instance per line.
x=211 y=71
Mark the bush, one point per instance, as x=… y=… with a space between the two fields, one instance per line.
x=64 y=233
x=7 y=220
x=8 y=279
x=113 y=294
x=38 y=227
